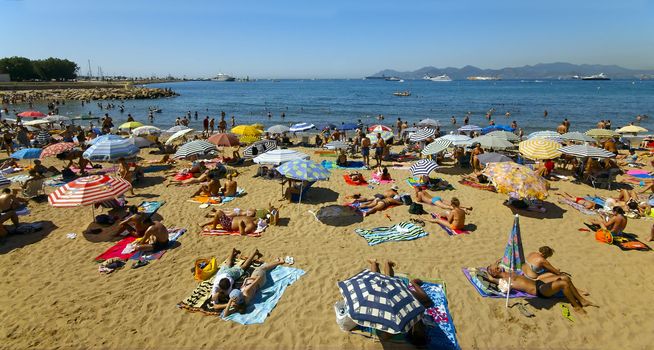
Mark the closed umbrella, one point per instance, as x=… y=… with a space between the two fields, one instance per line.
x=279 y=156
x=299 y=127
x=177 y=135
x=492 y=157
x=198 y=148
x=56 y=149
x=514 y=255
x=379 y=128
x=130 y=125
x=439 y=145
x=422 y=134
x=577 y=136
x=428 y=122
x=104 y=138
x=517 y=180
x=599 y=133
x=337 y=145
x=584 y=151
x=26 y=153
x=491 y=142
x=278 y=129
x=88 y=190
x=457 y=140
x=146 y=130
x=258 y=148
x=469 y=128
x=31 y=114
x=246 y=130
x=631 y=129
x=505 y=135
x=380 y=302
x=110 y=150
x=225 y=140
x=538 y=148
x=423 y=167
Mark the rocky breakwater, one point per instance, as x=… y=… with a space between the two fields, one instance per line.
x=126 y=92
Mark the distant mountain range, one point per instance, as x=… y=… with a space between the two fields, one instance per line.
x=558 y=70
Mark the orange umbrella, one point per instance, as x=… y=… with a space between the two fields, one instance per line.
x=223 y=139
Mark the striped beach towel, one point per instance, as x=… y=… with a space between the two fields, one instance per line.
x=404 y=231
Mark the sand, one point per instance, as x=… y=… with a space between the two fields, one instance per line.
x=52 y=296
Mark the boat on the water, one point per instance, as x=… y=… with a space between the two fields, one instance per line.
x=223 y=77
x=483 y=78
x=393 y=79
x=600 y=76
x=402 y=93
x=374 y=77
x=443 y=77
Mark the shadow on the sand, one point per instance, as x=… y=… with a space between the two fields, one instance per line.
x=148 y=181
x=552 y=211
x=318 y=195
x=540 y=303
x=19 y=240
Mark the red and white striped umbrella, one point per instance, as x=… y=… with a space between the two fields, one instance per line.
x=88 y=190
x=379 y=128
x=56 y=148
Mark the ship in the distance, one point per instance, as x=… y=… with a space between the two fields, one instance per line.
x=376 y=77
x=443 y=77
x=600 y=76
x=483 y=78
x=223 y=77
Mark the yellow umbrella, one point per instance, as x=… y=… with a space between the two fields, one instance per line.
x=539 y=149
x=258 y=126
x=249 y=139
x=130 y=125
x=597 y=133
x=631 y=129
x=517 y=180
x=246 y=130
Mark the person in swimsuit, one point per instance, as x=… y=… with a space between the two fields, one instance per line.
x=155 y=237
x=135 y=223
x=240 y=299
x=230 y=187
x=616 y=223
x=454 y=219
x=365 y=150
x=211 y=188
x=235 y=221
x=379 y=149
x=590 y=205
x=378 y=204
x=537 y=267
x=422 y=196
x=226 y=276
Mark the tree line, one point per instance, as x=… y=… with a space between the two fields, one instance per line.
x=22 y=68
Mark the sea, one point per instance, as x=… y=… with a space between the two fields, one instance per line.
x=583 y=103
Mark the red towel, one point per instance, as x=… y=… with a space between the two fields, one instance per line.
x=349 y=181
x=182 y=177
x=116 y=250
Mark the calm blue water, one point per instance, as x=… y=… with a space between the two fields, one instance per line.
x=582 y=102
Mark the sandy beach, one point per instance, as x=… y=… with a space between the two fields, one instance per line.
x=53 y=297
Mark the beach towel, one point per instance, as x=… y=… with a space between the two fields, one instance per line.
x=375 y=176
x=643 y=176
x=217 y=200
x=155 y=168
x=55 y=181
x=444 y=335
x=577 y=206
x=206 y=231
x=268 y=296
x=351 y=165
x=326 y=153
x=404 y=231
x=10 y=170
x=173 y=236
x=150 y=207
x=183 y=176
x=19 y=178
x=349 y=181
x=637 y=172
x=628 y=241
x=487 y=293
x=598 y=200
x=116 y=251
x=485 y=187
x=450 y=231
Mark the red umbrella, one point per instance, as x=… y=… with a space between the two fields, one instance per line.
x=379 y=128
x=88 y=190
x=56 y=148
x=227 y=140
x=31 y=114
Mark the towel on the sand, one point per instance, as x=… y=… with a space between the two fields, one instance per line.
x=351 y=165
x=150 y=207
x=116 y=251
x=267 y=297
x=450 y=231
x=349 y=181
x=485 y=187
x=637 y=172
x=434 y=186
x=206 y=231
x=10 y=170
x=643 y=176
x=182 y=176
x=122 y=251
x=325 y=153
x=490 y=293
x=628 y=241
x=577 y=206
x=216 y=200
x=155 y=168
x=55 y=181
x=375 y=176
x=19 y=178
x=404 y=231
x=443 y=336
x=173 y=236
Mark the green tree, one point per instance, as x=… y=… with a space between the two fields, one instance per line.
x=55 y=68
x=19 y=68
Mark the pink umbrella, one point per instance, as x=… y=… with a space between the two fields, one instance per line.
x=227 y=140
x=56 y=148
x=88 y=190
x=379 y=128
x=31 y=114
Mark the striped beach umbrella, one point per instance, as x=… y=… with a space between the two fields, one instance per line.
x=631 y=129
x=428 y=122
x=246 y=130
x=36 y=122
x=224 y=139
x=505 y=135
x=140 y=142
x=198 y=148
x=278 y=129
x=423 y=167
x=258 y=148
x=584 y=151
x=31 y=114
x=56 y=148
x=299 y=127
x=385 y=135
x=337 y=145
x=538 y=148
x=88 y=190
x=469 y=128
x=103 y=138
x=4 y=182
x=43 y=137
x=380 y=302
x=176 y=128
x=599 y=133
x=437 y=146
x=26 y=153
x=577 y=136
x=422 y=134
x=177 y=135
x=457 y=140
x=491 y=142
x=303 y=170
x=130 y=125
x=492 y=157
x=110 y=150
x=347 y=126
x=546 y=134
x=379 y=128
x=279 y=156
x=146 y=130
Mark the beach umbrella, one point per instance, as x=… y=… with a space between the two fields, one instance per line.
x=56 y=149
x=514 y=255
x=469 y=128
x=599 y=133
x=577 y=136
x=5 y=182
x=457 y=140
x=31 y=114
x=139 y=142
x=386 y=135
x=491 y=142
x=258 y=148
x=36 y=122
x=198 y=148
x=246 y=130
x=498 y=127
x=56 y=118
x=279 y=156
x=492 y=157
x=584 y=151
x=176 y=128
x=379 y=128
x=299 y=127
x=428 y=122
x=505 y=135
x=336 y=145
x=26 y=153
x=439 y=145
x=547 y=134
x=517 y=180
x=104 y=138
x=380 y=302
x=410 y=129
x=177 y=135
x=538 y=148
x=258 y=126
x=130 y=125
x=631 y=129
x=225 y=140
x=88 y=190
x=329 y=126
x=43 y=137
x=347 y=126
x=146 y=130
x=423 y=167
x=249 y=139
x=110 y=150
x=278 y=129
x=337 y=215
x=303 y=170
x=422 y=134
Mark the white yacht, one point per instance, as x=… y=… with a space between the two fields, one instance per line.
x=483 y=78
x=443 y=77
x=600 y=76
x=223 y=77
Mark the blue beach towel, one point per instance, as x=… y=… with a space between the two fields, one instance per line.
x=266 y=299
x=150 y=207
x=351 y=165
x=486 y=294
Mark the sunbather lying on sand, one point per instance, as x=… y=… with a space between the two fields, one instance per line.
x=455 y=218
x=226 y=276
x=245 y=223
x=477 y=177
x=155 y=237
x=546 y=288
x=422 y=196
x=590 y=205
x=240 y=299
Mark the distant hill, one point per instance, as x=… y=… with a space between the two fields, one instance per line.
x=558 y=70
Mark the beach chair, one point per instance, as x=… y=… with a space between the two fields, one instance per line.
x=34 y=189
x=603 y=179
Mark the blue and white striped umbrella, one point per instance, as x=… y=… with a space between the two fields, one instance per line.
x=43 y=137
x=422 y=134
x=380 y=302
x=4 y=182
x=337 y=145
x=195 y=148
x=26 y=153
x=110 y=150
x=104 y=138
x=470 y=127
x=586 y=151
x=259 y=147
x=437 y=146
x=457 y=140
x=299 y=127
x=304 y=170
x=423 y=167
x=546 y=134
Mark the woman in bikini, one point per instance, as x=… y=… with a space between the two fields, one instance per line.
x=537 y=266
x=240 y=299
x=590 y=205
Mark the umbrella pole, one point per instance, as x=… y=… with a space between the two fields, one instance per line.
x=300 y=196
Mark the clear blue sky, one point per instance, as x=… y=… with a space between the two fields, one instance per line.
x=326 y=39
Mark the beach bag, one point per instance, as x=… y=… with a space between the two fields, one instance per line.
x=406 y=199
x=205 y=268
x=417 y=209
x=604 y=236
x=343 y=318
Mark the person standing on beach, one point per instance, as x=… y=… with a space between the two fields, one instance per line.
x=398 y=125
x=365 y=149
x=211 y=125
x=205 y=124
x=379 y=149
x=607 y=125
x=222 y=125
